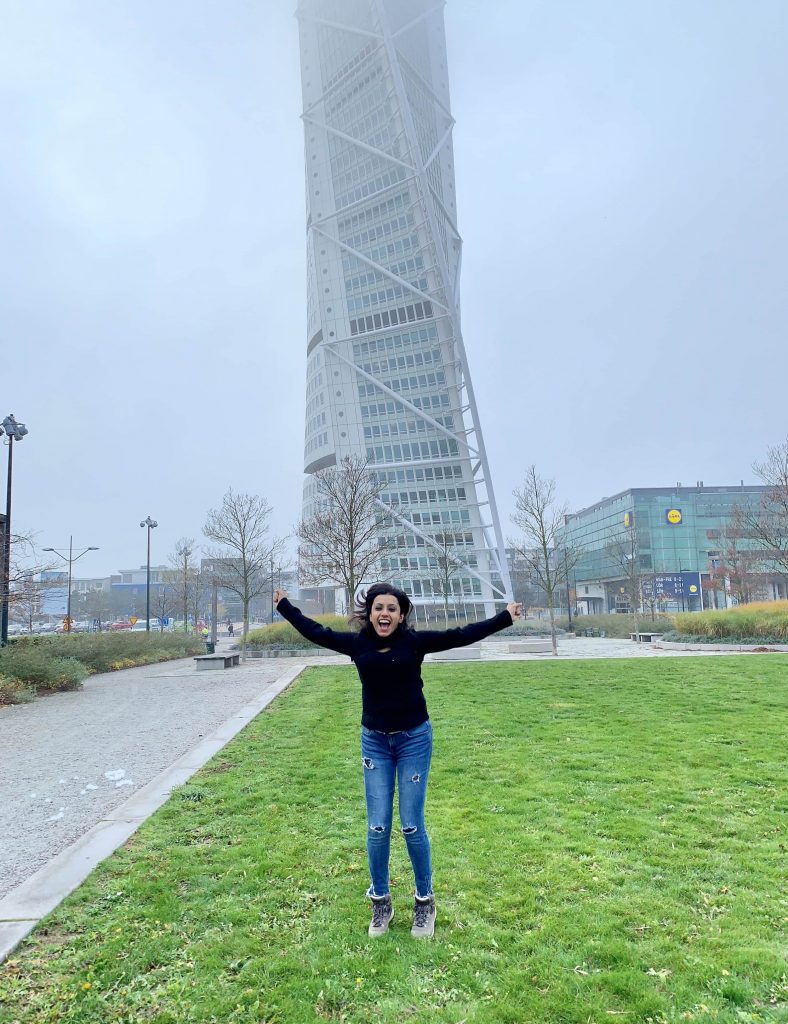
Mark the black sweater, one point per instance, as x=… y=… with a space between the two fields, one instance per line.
x=392 y=690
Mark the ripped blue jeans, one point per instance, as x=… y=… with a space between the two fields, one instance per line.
x=404 y=756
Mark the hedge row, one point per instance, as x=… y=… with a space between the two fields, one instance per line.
x=618 y=626
x=282 y=636
x=35 y=664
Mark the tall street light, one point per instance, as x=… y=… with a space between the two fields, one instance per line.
x=16 y=431
x=70 y=558
x=151 y=524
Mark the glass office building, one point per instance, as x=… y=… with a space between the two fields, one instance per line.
x=678 y=536
x=387 y=374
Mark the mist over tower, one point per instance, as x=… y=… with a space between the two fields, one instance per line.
x=387 y=374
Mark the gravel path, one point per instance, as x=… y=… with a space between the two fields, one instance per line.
x=68 y=759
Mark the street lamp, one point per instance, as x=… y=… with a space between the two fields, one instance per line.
x=71 y=558
x=16 y=431
x=151 y=524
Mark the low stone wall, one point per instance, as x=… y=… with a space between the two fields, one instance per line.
x=531 y=647
x=303 y=652
x=470 y=653
x=765 y=647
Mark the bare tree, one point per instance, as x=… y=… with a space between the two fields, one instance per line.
x=199 y=595
x=540 y=518
x=24 y=590
x=525 y=589
x=447 y=565
x=25 y=601
x=624 y=552
x=341 y=541
x=95 y=604
x=767 y=523
x=25 y=560
x=185 y=572
x=738 y=564
x=163 y=598
x=243 y=556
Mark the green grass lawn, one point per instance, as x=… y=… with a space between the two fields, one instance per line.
x=606 y=839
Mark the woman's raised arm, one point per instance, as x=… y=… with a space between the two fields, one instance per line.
x=342 y=643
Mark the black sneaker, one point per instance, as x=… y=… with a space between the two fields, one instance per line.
x=423 y=918
x=382 y=914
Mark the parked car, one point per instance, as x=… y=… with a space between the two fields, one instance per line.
x=120 y=625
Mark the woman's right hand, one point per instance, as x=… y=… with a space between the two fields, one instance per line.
x=279 y=595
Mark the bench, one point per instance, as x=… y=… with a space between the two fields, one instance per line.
x=472 y=653
x=645 y=637
x=531 y=647
x=209 y=661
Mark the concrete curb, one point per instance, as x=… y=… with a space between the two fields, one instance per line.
x=24 y=907
x=765 y=647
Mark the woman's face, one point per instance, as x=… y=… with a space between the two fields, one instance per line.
x=385 y=614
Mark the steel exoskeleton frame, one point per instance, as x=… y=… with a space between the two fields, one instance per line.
x=441 y=226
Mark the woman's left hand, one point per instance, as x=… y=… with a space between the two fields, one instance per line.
x=514 y=609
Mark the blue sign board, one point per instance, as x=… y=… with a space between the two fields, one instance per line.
x=663 y=585
x=691 y=584
x=670 y=586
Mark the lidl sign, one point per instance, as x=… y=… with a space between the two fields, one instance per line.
x=673 y=516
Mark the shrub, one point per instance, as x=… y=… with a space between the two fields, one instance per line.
x=61 y=662
x=66 y=674
x=283 y=636
x=40 y=671
x=12 y=691
x=764 y=620
x=102 y=652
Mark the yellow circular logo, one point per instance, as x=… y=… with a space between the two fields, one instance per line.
x=674 y=516
x=693 y=589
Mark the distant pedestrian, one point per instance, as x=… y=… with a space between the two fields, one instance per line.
x=396 y=732
x=229 y=629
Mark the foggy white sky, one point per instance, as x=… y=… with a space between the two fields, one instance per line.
x=621 y=179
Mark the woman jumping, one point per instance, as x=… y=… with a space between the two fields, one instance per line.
x=396 y=732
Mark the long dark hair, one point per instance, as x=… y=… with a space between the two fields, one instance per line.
x=366 y=599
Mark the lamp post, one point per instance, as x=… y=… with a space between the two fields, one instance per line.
x=151 y=524
x=71 y=558
x=186 y=552
x=15 y=431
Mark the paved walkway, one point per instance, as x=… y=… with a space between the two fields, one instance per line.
x=69 y=759
x=80 y=771
x=583 y=647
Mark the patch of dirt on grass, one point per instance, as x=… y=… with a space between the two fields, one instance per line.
x=218 y=766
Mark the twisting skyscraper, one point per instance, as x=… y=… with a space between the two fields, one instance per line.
x=387 y=374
